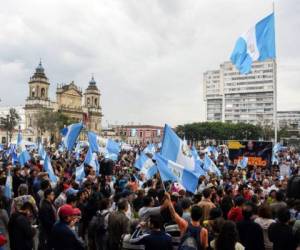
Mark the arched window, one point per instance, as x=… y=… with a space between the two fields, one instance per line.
x=33 y=92
x=43 y=92
x=96 y=101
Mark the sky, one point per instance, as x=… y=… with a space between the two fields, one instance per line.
x=147 y=56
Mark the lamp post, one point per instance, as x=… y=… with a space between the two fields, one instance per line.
x=7 y=124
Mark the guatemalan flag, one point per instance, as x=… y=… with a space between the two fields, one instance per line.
x=70 y=135
x=176 y=150
x=79 y=173
x=91 y=159
x=171 y=171
x=257 y=44
x=210 y=166
x=150 y=149
x=41 y=151
x=48 y=168
x=93 y=142
x=8 y=186
x=23 y=155
x=145 y=165
x=244 y=162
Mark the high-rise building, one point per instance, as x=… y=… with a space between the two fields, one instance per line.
x=245 y=98
x=289 y=120
x=213 y=96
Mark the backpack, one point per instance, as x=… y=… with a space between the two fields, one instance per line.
x=191 y=239
x=97 y=225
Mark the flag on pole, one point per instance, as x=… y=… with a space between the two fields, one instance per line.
x=244 y=162
x=70 y=135
x=209 y=166
x=41 y=151
x=23 y=155
x=79 y=173
x=172 y=171
x=145 y=165
x=91 y=159
x=150 y=149
x=176 y=150
x=8 y=186
x=93 y=142
x=48 y=168
x=257 y=44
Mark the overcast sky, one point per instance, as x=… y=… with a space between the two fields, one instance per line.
x=147 y=56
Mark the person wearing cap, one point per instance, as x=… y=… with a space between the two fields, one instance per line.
x=63 y=237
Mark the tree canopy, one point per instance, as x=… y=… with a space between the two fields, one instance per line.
x=219 y=131
x=10 y=122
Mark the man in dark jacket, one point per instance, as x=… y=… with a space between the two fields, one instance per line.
x=280 y=233
x=47 y=218
x=20 y=231
x=118 y=224
x=63 y=237
x=251 y=234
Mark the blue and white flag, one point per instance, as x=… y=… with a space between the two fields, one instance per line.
x=209 y=166
x=171 y=171
x=244 y=162
x=113 y=147
x=277 y=147
x=212 y=150
x=48 y=168
x=91 y=159
x=150 y=149
x=79 y=173
x=199 y=163
x=70 y=135
x=23 y=155
x=145 y=165
x=93 y=142
x=257 y=44
x=177 y=150
x=8 y=186
x=41 y=151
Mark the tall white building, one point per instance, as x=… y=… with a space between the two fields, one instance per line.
x=245 y=98
x=213 y=89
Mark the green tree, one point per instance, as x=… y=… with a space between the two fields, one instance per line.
x=10 y=122
x=51 y=122
x=219 y=131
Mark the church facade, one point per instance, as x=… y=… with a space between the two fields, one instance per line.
x=70 y=100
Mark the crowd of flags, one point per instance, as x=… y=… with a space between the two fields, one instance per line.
x=175 y=161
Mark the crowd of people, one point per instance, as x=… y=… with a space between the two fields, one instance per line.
x=244 y=208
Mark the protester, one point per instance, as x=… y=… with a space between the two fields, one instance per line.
x=63 y=237
x=21 y=231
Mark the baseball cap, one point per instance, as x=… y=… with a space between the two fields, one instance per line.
x=67 y=210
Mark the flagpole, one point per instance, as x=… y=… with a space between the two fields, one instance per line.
x=275 y=90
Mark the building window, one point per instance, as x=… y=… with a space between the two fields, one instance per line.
x=88 y=101
x=95 y=126
x=96 y=101
x=141 y=134
x=43 y=92
x=33 y=92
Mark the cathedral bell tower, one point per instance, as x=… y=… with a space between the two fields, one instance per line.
x=38 y=99
x=92 y=106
